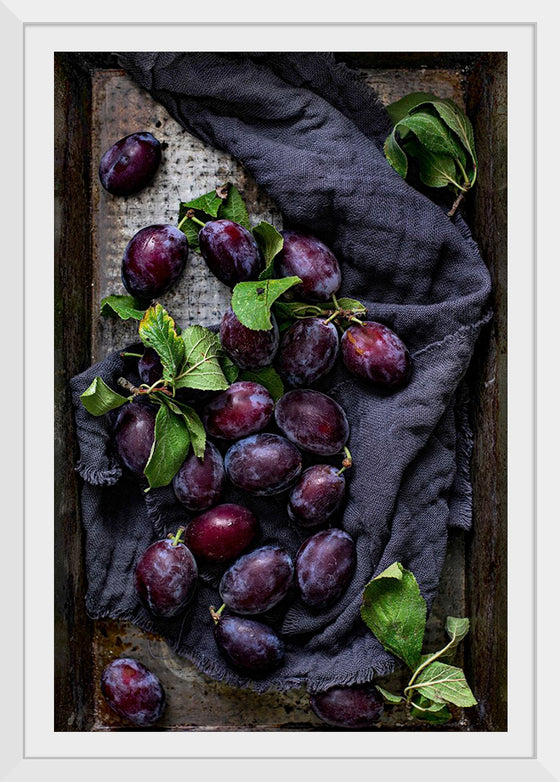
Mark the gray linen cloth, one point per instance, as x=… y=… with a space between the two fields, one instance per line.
x=310 y=131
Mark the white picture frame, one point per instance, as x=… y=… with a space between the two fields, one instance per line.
x=31 y=747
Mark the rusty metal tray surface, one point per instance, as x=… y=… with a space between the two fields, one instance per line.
x=95 y=104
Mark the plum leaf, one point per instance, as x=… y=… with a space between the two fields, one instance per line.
x=233 y=207
x=98 y=398
x=251 y=301
x=443 y=683
x=202 y=356
x=122 y=305
x=169 y=449
x=270 y=243
x=157 y=331
x=395 y=611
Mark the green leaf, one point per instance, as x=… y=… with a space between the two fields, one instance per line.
x=444 y=683
x=98 y=399
x=124 y=306
x=300 y=309
x=395 y=154
x=395 y=611
x=209 y=203
x=230 y=370
x=267 y=377
x=233 y=207
x=401 y=107
x=251 y=301
x=201 y=367
x=206 y=207
x=390 y=697
x=287 y=312
x=459 y=123
x=435 y=170
x=270 y=243
x=197 y=432
x=157 y=330
x=456 y=628
x=169 y=449
x=348 y=304
x=427 y=710
x=432 y=133
x=189 y=227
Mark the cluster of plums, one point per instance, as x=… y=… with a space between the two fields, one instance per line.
x=261 y=463
x=255 y=459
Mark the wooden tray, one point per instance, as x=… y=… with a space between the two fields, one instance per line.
x=95 y=104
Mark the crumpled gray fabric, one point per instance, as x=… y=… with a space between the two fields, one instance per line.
x=310 y=132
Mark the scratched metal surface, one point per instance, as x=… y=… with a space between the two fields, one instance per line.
x=190 y=168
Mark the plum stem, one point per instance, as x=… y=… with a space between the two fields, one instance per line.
x=131 y=355
x=335 y=314
x=128 y=386
x=217 y=614
x=456 y=204
x=176 y=539
x=189 y=215
x=346 y=462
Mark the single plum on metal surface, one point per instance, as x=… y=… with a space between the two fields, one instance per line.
x=133 y=691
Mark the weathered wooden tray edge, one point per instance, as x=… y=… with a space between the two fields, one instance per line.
x=486 y=83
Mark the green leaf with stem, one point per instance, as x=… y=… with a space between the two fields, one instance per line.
x=169 y=449
x=124 y=306
x=395 y=611
x=435 y=170
x=201 y=366
x=457 y=628
x=441 y=683
x=98 y=398
x=193 y=214
x=251 y=301
x=459 y=123
x=270 y=243
x=288 y=312
x=157 y=331
x=190 y=223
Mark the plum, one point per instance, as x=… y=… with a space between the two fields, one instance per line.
x=130 y=164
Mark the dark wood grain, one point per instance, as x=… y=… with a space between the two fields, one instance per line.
x=73 y=629
x=487 y=545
